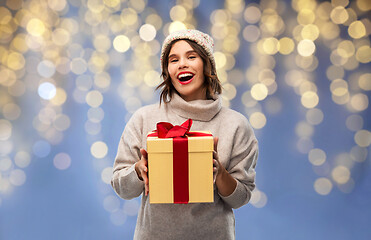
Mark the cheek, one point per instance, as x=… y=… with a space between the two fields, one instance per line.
x=170 y=69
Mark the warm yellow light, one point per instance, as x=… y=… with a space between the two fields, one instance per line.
x=340 y=174
x=248 y=100
x=152 y=78
x=60 y=97
x=304 y=129
x=306 y=16
x=303 y=4
x=155 y=20
x=341 y=100
x=5 y=15
x=62 y=122
x=363 y=138
x=335 y=72
x=94 y=98
x=102 y=80
x=78 y=66
x=286 y=45
x=57 y=5
x=112 y=3
x=359 y=102
x=178 y=13
x=309 y=99
x=15 y=61
x=257 y=120
x=5 y=129
x=102 y=43
x=259 y=91
x=339 y=87
x=270 y=46
x=99 y=149
x=346 y=49
x=129 y=16
x=220 y=17
x=147 y=32
x=220 y=59
x=11 y=111
x=121 y=43
x=176 y=26
x=364 y=5
x=235 y=6
x=363 y=54
x=229 y=91
x=258 y=199
x=323 y=10
x=60 y=36
x=329 y=30
x=323 y=186
x=357 y=29
x=339 y=15
x=336 y=3
x=314 y=116
x=310 y=32
x=272 y=24
x=96 y=6
x=231 y=44
x=252 y=14
x=19 y=43
x=36 y=27
x=306 y=47
x=317 y=157
x=364 y=81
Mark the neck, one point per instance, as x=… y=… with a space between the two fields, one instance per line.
x=200 y=96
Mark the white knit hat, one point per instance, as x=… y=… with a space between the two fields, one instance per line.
x=202 y=39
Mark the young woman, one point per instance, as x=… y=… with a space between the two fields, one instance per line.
x=190 y=89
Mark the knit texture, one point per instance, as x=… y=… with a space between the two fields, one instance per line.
x=238 y=152
x=202 y=39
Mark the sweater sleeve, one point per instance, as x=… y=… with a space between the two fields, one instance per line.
x=125 y=180
x=242 y=165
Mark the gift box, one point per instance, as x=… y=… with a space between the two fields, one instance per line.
x=180 y=164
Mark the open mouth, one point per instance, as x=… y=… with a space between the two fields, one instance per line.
x=185 y=77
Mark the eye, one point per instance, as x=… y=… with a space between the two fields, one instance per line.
x=192 y=57
x=173 y=60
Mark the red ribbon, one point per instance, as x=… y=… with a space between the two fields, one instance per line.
x=180 y=155
x=167 y=130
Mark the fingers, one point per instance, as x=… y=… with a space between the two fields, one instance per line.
x=144 y=170
x=215 y=165
x=216 y=139
x=215 y=169
x=215 y=155
x=146 y=183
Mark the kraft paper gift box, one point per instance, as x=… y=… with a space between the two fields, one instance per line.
x=180 y=165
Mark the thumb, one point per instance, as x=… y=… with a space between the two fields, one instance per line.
x=216 y=139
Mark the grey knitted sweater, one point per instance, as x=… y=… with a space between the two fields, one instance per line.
x=238 y=152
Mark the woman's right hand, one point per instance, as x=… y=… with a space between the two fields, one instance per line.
x=141 y=167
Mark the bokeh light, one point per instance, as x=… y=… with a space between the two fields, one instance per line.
x=73 y=72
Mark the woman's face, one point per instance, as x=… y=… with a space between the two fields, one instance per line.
x=186 y=71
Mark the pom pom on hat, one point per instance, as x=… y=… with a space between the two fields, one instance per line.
x=202 y=39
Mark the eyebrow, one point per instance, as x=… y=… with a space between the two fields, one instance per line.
x=188 y=52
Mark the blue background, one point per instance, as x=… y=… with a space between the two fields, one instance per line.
x=68 y=204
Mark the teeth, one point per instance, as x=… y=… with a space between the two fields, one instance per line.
x=185 y=75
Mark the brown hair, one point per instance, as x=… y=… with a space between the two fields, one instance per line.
x=211 y=82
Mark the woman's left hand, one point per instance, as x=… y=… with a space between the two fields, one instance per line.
x=225 y=183
x=217 y=167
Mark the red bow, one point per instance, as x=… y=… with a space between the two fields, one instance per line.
x=167 y=130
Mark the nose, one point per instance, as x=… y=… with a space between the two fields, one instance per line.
x=183 y=63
